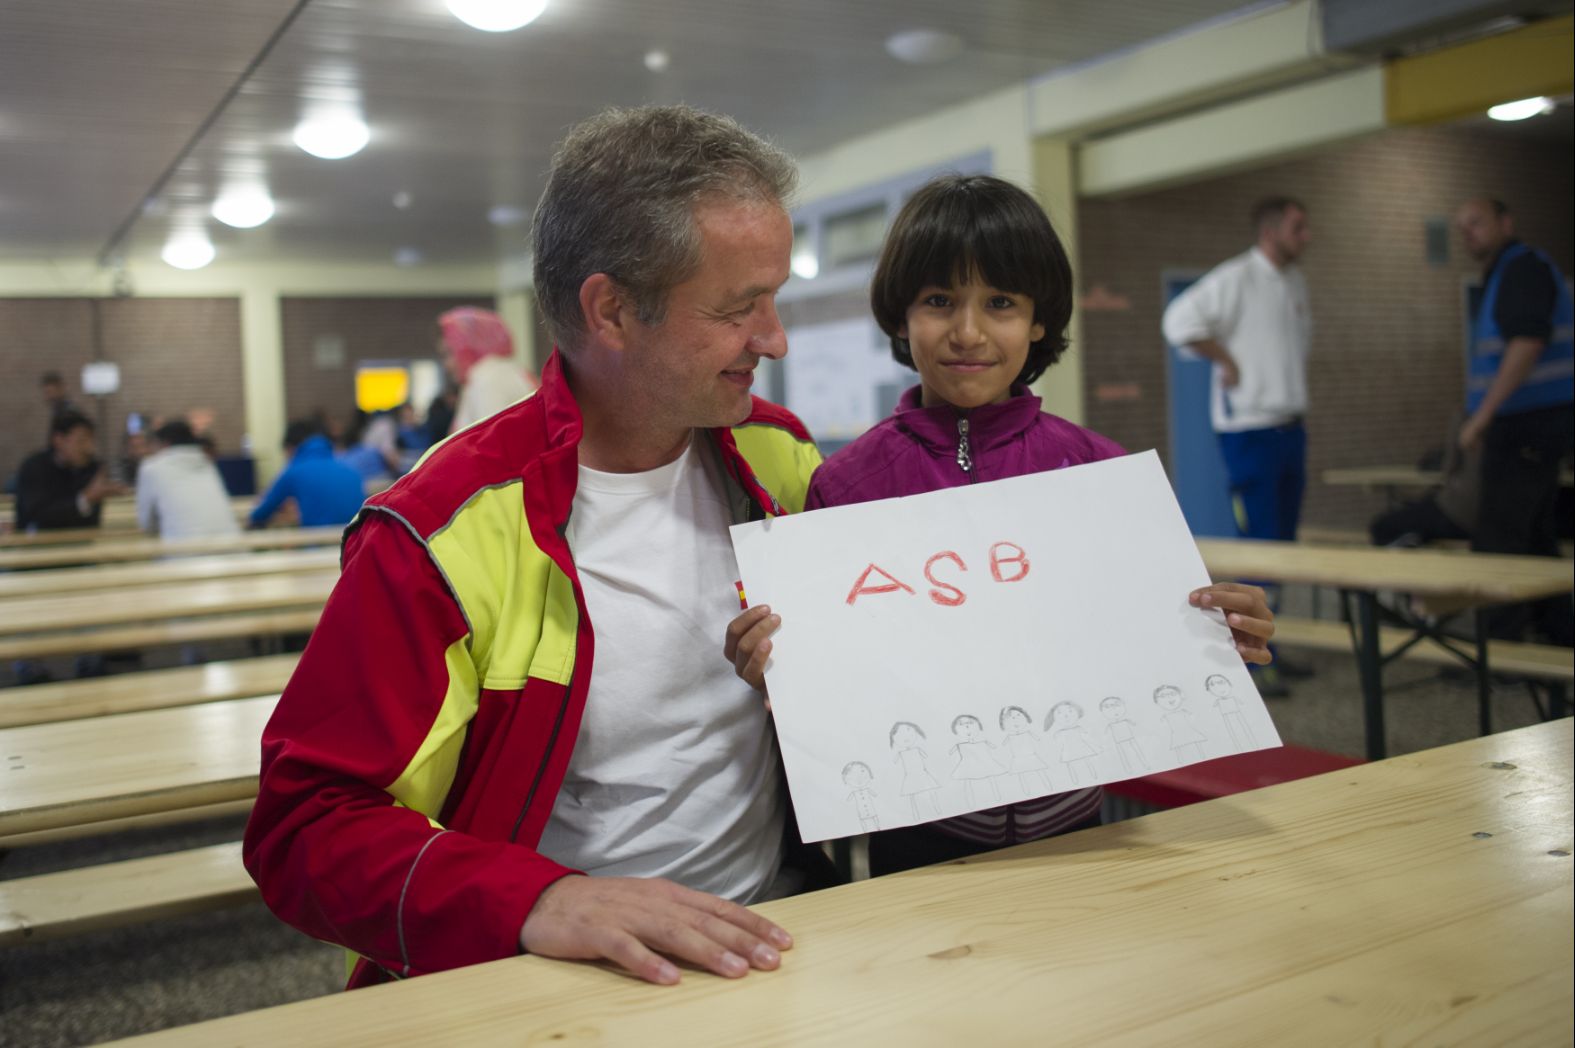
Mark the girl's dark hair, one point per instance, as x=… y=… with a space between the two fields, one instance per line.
x=957 y=226
x=891 y=740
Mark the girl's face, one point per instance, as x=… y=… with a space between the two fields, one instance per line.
x=969 y=729
x=1066 y=716
x=1015 y=721
x=1169 y=700
x=905 y=737
x=969 y=342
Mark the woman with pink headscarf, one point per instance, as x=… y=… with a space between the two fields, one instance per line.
x=479 y=354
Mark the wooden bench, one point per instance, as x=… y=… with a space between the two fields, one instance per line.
x=175 y=631
x=153 y=690
x=48 y=549
x=77 y=774
x=54 y=905
x=164 y=572
x=1539 y=661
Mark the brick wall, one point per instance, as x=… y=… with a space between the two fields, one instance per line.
x=175 y=354
x=367 y=329
x=1386 y=371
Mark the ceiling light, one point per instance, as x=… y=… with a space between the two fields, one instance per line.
x=403 y=200
x=496 y=16
x=409 y=256
x=190 y=249
x=506 y=215
x=332 y=136
x=657 y=61
x=924 y=46
x=806 y=265
x=243 y=208
x=1521 y=110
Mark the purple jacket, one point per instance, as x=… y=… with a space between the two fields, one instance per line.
x=919 y=449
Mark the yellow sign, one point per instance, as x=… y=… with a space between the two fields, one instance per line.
x=381 y=388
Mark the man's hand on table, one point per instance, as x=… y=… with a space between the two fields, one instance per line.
x=631 y=921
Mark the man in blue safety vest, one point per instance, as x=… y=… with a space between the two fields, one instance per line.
x=1519 y=392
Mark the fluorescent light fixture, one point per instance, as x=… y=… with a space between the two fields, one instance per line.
x=403 y=200
x=496 y=16
x=1523 y=109
x=506 y=215
x=806 y=265
x=923 y=46
x=244 y=208
x=189 y=249
x=332 y=135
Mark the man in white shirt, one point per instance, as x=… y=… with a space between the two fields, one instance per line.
x=180 y=494
x=1250 y=316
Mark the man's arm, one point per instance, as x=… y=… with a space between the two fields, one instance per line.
x=277 y=492
x=1520 y=356
x=1209 y=349
x=1192 y=320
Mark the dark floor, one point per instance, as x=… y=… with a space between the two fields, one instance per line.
x=114 y=984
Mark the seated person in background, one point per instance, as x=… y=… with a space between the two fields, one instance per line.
x=64 y=485
x=325 y=490
x=478 y=352
x=1448 y=511
x=180 y=494
x=371 y=449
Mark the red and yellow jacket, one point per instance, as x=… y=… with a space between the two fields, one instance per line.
x=414 y=758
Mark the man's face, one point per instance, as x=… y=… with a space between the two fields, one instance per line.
x=1483 y=231
x=1291 y=234
x=698 y=364
x=54 y=392
x=74 y=448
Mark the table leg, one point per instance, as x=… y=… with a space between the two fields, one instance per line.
x=1484 y=682
x=1369 y=663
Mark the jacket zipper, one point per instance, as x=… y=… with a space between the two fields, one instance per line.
x=964 y=453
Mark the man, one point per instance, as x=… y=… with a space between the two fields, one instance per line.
x=1250 y=316
x=56 y=403
x=63 y=486
x=1520 y=386
x=448 y=755
x=180 y=494
x=325 y=490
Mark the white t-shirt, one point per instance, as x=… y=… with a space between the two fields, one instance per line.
x=180 y=495
x=675 y=772
x=492 y=384
x=1262 y=315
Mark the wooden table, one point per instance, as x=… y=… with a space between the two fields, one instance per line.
x=79 y=773
x=120 y=511
x=165 y=572
x=73 y=611
x=90 y=546
x=1421 y=900
x=1449 y=581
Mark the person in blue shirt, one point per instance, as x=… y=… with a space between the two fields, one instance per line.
x=1520 y=399
x=325 y=490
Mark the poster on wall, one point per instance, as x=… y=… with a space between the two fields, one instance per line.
x=840 y=378
x=957 y=650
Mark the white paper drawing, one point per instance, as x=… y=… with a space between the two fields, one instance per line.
x=1186 y=741
x=900 y=618
x=907 y=743
x=1230 y=711
x=1022 y=751
x=857 y=775
x=1123 y=734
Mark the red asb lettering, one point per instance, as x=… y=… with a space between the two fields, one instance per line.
x=1008 y=563
x=859 y=587
x=956 y=596
x=996 y=560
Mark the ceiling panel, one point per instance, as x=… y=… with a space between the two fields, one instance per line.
x=98 y=96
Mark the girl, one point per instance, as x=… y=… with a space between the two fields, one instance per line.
x=974 y=290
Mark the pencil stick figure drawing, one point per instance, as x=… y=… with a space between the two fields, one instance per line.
x=857 y=774
x=1078 y=753
x=1186 y=741
x=1123 y=732
x=1022 y=750
x=1229 y=708
x=907 y=751
x=974 y=759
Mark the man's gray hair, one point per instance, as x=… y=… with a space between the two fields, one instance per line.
x=620 y=200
